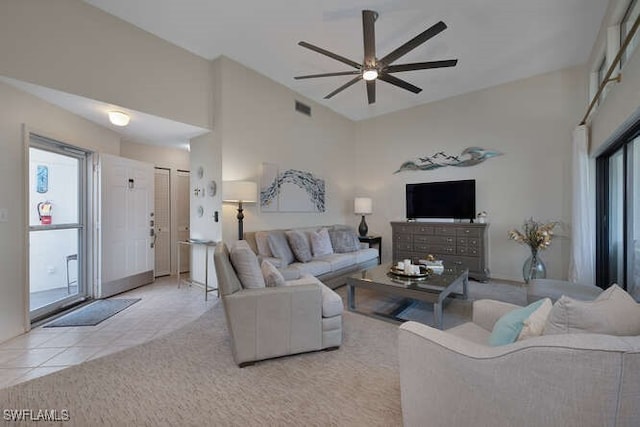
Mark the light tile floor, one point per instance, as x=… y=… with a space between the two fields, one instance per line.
x=163 y=308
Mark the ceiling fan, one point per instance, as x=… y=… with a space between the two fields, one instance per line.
x=372 y=68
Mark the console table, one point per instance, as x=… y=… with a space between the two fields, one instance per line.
x=462 y=244
x=206 y=244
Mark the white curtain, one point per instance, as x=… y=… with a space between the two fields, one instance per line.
x=583 y=232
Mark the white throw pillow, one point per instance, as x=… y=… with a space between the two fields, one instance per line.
x=272 y=275
x=533 y=326
x=320 y=242
x=245 y=262
x=614 y=312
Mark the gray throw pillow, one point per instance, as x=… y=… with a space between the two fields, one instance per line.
x=272 y=275
x=299 y=244
x=245 y=262
x=614 y=312
x=263 y=244
x=344 y=240
x=280 y=247
x=320 y=242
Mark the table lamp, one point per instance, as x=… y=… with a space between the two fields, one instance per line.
x=362 y=206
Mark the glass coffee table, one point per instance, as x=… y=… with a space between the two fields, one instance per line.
x=433 y=289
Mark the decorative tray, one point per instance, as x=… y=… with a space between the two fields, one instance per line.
x=424 y=273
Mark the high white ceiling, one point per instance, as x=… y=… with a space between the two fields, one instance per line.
x=495 y=41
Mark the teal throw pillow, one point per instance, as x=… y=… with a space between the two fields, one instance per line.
x=508 y=327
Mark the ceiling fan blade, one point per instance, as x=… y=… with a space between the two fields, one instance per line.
x=369 y=36
x=330 y=54
x=415 y=42
x=340 y=73
x=343 y=87
x=371 y=91
x=400 y=83
x=421 y=66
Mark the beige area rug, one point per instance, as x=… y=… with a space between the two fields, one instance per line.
x=188 y=378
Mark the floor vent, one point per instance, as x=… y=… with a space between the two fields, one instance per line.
x=302 y=108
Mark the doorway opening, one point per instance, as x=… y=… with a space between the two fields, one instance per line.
x=57 y=218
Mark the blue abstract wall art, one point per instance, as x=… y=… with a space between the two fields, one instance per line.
x=290 y=191
x=469 y=157
x=42 y=179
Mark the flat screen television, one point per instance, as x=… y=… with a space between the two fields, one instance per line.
x=449 y=199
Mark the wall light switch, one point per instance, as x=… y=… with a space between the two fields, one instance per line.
x=4 y=215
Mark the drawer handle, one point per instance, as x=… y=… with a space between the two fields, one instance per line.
x=466 y=231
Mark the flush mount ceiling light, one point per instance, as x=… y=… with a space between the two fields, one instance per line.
x=369 y=75
x=118 y=118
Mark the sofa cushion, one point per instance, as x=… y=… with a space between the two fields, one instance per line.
x=320 y=242
x=331 y=301
x=344 y=239
x=366 y=255
x=262 y=243
x=614 y=312
x=279 y=247
x=245 y=262
x=471 y=332
x=338 y=261
x=300 y=245
x=509 y=326
x=272 y=277
x=315 y=268
x=533 y=326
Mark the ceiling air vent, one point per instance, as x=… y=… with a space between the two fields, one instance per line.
x=302 y=108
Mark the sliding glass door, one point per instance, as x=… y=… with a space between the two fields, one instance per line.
x=57 y=183
x=618 y=249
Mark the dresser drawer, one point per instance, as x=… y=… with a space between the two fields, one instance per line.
x=407 y=229
x=468 y=250
x=423 y=229
x=473 y=264
x=468 y=231
x=472 y=241
x=436 y=249
x=404 y=238
x=403 y=246
x=444 y=231
x=433 y=240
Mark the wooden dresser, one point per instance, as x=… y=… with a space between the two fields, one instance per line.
x=460 y=243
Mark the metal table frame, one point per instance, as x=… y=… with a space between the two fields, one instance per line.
x=207 y=244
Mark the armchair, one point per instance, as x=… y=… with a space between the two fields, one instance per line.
x=277 y=321
x=454 y=378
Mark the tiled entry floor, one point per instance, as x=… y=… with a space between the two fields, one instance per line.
x=163 y=308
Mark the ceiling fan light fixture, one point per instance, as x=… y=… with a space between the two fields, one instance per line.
x=118 y=118
x=370 y=74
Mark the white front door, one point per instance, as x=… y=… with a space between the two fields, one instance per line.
x=162 y=222
x=183 y=218
x=126 y=224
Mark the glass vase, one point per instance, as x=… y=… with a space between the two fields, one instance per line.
x=534 y=268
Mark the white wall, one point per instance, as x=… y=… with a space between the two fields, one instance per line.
x=18 y=108
x=530 y=121
x=71 y=46
x=257 y=123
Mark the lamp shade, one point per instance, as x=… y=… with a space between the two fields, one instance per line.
x=239 y=191
x=362 y=205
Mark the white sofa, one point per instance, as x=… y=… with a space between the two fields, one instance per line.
x=453 y=378
x=331 y=269
x=302 y=315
